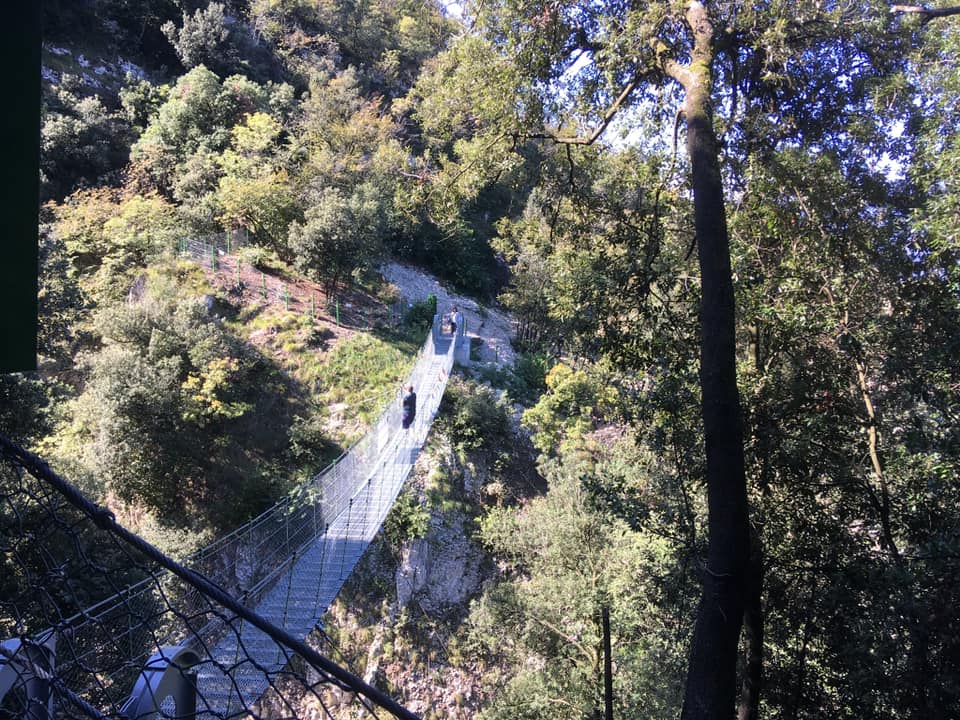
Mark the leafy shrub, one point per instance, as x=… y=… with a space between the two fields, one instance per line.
x=255 y=256
x=576 y=403
x=309 y=442
x=421 y=314
x=202 y=38
x=340 y=234
x=173 y=411
x=525 y=382
x=473 y=416
x=408 y=520
x=110 y=238
x=531 y=370
x=82 y=141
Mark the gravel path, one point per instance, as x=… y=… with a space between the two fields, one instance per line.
x=491 y=326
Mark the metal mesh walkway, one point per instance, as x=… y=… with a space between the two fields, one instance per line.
x=287 y=565
x=244 y=660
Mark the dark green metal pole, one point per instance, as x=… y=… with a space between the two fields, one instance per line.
x=607 y=667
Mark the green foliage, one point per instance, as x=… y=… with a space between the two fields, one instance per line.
x=264 y=204
x=462 y=103
x=255 y=256
x=829 y=305
x=525 y=382
x=205 y=390
x=202 y=38
x=531 y=369
x=468 y=88
x=473 y=416
x=408 y=519
x=23 y=402
x=111 y=238
x=340 y=234
x=163 y=406
x=351 y=150
x=198 y=117
x=934 y=169
x=141 y=100
x=576 y=403
x=420 y=314
x=826 y=296
x=386 y=42
x=60 y=299
x=542 y=625
x=81 y=141
x=310 y=442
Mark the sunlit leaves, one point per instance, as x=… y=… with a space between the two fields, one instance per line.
x=564 y=562
x=110 y=236
x=204 y=390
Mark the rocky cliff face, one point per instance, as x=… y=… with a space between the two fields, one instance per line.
x=443 y=569
x=401 y=621
x=401 y=618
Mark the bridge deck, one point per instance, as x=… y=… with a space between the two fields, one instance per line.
x=245 y=658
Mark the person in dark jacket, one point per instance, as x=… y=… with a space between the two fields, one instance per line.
x=409 y=407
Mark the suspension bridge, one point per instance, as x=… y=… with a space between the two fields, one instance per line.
x=222 y=634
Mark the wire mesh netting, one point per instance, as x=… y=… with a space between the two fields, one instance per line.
x=94 y=622
x=245 y=283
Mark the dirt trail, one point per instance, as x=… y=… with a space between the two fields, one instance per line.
x=357 y=309
x=491 y=326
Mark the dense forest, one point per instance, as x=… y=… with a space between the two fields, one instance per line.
x=728 y=236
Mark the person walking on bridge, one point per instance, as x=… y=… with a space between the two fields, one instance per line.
x=456 y=320
x=409 y=407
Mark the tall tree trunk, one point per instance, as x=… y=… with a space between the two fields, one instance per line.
x=711 y=688
x=753 y=635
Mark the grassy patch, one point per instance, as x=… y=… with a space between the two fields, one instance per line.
x=291 y=338
x=364 y=373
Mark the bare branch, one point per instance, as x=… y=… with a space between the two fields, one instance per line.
x=604 y=123
x=927 y=13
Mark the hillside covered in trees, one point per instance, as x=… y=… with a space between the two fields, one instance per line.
x=727 y=233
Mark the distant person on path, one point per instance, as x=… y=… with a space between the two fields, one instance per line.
x=409 y=407
x=456 y=319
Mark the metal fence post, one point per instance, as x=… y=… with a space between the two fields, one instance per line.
x=343 y=555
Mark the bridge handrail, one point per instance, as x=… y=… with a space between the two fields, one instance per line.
x=301 y=516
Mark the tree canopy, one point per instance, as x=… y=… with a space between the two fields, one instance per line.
x=727 y=233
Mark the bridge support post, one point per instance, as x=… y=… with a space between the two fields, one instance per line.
x=29 y=665
x=167 y=674
x=461 y=353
